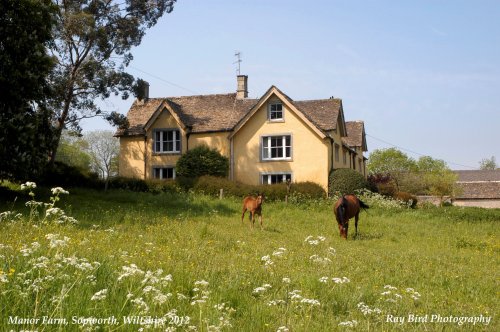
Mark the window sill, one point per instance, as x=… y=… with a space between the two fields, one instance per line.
x=276 y=159
x=275 y=121
x=166 y=153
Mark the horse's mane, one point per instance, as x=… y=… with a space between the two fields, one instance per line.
x=342 y=209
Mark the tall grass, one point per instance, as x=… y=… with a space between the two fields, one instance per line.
x=188 y=263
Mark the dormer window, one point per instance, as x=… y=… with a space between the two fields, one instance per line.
x=275 y=112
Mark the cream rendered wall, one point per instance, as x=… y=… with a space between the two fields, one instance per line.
x=131 y=160
x=164 y=121
x=217 y=141
x=310 y=153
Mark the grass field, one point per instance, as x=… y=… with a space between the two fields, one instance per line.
x=186 y=262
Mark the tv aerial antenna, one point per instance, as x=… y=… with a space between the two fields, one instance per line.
x=237 y=54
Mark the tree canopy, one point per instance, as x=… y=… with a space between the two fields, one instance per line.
x=92 y=45
x=426 y=175
x=26 y=139
x=488 y=163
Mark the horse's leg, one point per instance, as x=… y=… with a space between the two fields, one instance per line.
x=260 y=219
x=252 y=217
x=356 y=218
x=243 y=214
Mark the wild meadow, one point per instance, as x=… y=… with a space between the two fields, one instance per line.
x=127 y=261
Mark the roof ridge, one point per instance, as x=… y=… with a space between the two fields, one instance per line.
x=209 y=95
x=322 y=99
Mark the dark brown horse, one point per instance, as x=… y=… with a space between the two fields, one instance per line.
x=254 y=206
x=347 y=206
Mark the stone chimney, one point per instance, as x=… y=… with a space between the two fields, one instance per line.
x=242 y=91
x=146 y=91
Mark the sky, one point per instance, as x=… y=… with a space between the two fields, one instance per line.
x=424 y=76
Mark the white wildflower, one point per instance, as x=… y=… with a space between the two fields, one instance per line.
x=58 y=190
x=366 y=310
x=323 y=279
x=282 y=329
x=267 y=260
x=28 y=185
x=312 y=302
x=349 y=323
x=261 y=289
x=100 y=295
x=201 y=283
x=342 y=280
x=276 y=302
x=286 y=280
x=130 y=270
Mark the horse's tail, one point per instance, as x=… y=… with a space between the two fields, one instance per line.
x=363 y=204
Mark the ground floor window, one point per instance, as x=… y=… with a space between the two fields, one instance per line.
x=272 y=178
x=164 y=172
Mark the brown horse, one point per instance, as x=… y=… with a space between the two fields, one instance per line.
x=254 y=206
x=347 y=206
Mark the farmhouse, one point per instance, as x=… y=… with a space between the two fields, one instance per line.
x=267 y=140
x=479 y=188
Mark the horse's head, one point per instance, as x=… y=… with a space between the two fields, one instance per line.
x=260 y=198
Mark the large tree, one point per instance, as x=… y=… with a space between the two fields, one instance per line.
x=25 y=129
x=93 y=42
x=391 y=162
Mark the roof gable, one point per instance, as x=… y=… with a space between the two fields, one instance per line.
x=274 y=91
x=355 y=134
x=167 y=106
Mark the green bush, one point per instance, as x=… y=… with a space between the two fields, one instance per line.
x=157 y=186
x=346 y=181
x=211 y=185
x=202 y=161
x=63 y=175
x=131 y=184
x=408 y=198
x=308 y=189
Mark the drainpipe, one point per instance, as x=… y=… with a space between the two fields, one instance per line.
x=145 y=154
x=332 y=142
x=231 y=159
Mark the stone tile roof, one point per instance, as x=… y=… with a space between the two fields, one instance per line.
x=354 y=136
x=323 y=112
x=478 y=175
x=479 y=184
x=479 y=190
x=218 y=112
x=221 y=112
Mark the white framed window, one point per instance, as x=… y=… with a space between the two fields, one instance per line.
x=337 y=148
x=275 y=112
x=344 y=156
x=164 y=172
x=272 y=178
x=277 y=147
x=167 y=141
